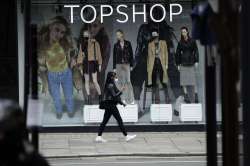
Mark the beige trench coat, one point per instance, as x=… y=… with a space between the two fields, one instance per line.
x=163 y=58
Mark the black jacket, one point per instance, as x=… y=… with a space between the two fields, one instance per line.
x=187 y=53
x=121 y=56
x=113 y=94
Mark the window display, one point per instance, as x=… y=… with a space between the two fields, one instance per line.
x=155 y=70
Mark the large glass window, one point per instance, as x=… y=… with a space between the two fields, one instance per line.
x=160 y=73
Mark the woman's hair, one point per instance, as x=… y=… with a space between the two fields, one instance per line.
x=83 y=40
x=109 y=78
x=82 y=30
x=44 y=34
x=184 y=28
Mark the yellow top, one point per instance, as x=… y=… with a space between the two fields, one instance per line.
x=56 y=59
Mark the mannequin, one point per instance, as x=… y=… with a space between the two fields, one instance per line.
x=139 y=72
x=157 y=66
x=90 y=56
x=187 y=58
x=123 y=64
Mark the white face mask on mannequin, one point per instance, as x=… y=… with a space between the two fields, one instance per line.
x=116 y=79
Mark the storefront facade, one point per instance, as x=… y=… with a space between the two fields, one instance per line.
x=175 y=96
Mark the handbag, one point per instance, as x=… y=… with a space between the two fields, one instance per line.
x=103 y=105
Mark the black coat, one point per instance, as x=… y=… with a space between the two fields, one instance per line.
x=112 y=94
x=123 y=56
x=187 y=53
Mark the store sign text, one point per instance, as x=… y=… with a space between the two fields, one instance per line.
x=175 y=9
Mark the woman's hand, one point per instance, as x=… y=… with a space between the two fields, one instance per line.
x=123 y=88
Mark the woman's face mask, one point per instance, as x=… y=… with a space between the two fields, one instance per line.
x=86 y=35
x=115 y=78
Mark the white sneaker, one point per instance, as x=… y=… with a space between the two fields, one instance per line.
x=100 y=139
x=130 y=137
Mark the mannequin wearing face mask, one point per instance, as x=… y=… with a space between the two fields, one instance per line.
x=112 y=95
x=90 y=56
x=157 y=65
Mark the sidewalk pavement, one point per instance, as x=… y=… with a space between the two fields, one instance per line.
x=146 y=144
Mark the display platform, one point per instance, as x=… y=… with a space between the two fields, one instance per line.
x=92 y=113
x=191 y=112
x=161 y=112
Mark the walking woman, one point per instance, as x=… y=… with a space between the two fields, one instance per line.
x=112 y=97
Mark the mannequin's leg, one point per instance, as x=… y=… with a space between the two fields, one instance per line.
x=97 y=87
x=167 y=98
x=86 y=77
x=196 y=94
x=153 y=94
x=186 y=97
x=154 y=83
x=185 y=89
x=122 y=83
x=119 y=75
x=191 y=93
x=129 y=86
x=157 y=95
x=67 y=85
x=54 y=87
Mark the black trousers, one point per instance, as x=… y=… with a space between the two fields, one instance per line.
x=108 y=113
x=157 y=72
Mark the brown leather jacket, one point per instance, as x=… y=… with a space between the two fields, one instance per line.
x=91 y=56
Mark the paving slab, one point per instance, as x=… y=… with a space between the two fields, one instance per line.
x=146 y=144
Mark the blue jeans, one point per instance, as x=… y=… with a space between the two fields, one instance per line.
x=64 y=78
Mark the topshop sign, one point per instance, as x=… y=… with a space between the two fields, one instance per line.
x=108 y=10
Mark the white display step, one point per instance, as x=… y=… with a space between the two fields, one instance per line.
x=161 y=112
x=34 y=113
x=191 y=112
x=129 y=113
x=92 y=113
